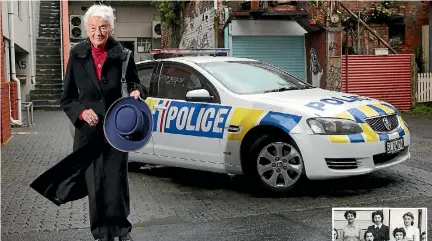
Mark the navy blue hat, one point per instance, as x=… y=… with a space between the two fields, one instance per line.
x=128 y=124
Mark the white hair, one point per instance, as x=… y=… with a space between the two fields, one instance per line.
x=102 y=11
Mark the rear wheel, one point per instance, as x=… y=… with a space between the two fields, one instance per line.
x=274 y=164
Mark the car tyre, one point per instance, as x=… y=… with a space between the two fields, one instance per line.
x=274 y=165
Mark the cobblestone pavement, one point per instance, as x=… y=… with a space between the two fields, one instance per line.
x=174 y=196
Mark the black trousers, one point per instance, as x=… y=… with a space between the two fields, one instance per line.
x=108 y=194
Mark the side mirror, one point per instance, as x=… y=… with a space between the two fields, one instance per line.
x=199 y=95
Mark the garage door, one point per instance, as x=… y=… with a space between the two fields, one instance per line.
x=285 y=52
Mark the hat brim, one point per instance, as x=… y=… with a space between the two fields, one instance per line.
x=109 y=127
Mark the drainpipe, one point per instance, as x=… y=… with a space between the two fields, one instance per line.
x=33 y=67
x=61 y=40
x=12 y=60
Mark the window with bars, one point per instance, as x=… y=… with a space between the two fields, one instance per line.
x=144 y=45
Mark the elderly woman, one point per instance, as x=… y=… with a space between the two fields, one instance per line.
x=380 y=231
x=351 y=232
x=412 y=233
x=91 y=85
x=399 y=234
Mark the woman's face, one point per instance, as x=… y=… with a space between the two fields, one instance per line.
x=399 y=236
x=334 y=235
x=350 y=217
x=423 y=237
x=98 y=30
x=377 y=219
x=369 y=237
x=407 y=220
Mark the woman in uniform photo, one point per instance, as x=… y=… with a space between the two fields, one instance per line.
x=380 y=231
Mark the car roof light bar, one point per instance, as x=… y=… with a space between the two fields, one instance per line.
x=213 y=51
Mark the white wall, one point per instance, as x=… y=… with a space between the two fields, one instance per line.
x=132 y=22
x=21 y=23
x=22 y=40
x=199 y=31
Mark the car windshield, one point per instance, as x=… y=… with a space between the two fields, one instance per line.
x=252 y=77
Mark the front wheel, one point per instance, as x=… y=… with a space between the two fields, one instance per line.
x=275 y=164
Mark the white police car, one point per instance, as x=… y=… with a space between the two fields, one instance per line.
x=243 y=116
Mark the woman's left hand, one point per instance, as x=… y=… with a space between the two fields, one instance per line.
x=135 y=93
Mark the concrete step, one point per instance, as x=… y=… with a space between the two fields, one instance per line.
x=48 y=66
x=51 y=25
x=47 y=107
x=46 y=102
x=48 y=72
x=38 y=97
x=43 y=80
x=48 y=52
x=38 y=91
x=48 y=40
x=41 y=43
x=53 y=35
x=49 y=21
x=40 y=86
x=48 y=61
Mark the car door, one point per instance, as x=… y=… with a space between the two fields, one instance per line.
x=146 y=73
x=185 y=129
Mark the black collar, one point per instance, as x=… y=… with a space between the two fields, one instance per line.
x=114 y=49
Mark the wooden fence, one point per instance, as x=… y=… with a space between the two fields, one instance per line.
x=424 y=87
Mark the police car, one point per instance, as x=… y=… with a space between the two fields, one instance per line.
x=243 y=116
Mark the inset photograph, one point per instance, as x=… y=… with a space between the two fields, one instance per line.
x=379 y=224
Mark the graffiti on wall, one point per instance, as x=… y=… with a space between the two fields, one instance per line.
x=199 y=31
x=315 y=68
x=334 y=74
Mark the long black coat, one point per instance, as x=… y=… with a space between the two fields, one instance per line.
x=66 y=181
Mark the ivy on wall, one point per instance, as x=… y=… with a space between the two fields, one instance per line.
x=171 y=14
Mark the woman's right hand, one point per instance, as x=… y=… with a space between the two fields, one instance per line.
x=90 y=117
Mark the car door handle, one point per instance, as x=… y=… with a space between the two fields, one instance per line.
x=160 y=107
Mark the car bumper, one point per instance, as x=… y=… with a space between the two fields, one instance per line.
x=326 y=160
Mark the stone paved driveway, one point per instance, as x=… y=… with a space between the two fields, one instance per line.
x=174 y=196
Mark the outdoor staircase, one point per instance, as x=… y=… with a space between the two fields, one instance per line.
x=48 y=89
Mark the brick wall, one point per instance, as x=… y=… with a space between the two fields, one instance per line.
x=5 y=126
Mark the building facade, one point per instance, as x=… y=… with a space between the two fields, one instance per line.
x=137 y=26
x=17 y=77
x=307 y=38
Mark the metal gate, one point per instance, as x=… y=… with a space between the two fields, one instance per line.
x=285 y=52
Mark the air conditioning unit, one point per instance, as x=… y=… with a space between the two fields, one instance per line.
x=156 y=29
x=76 y=27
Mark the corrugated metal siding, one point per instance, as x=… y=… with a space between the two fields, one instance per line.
x=285 y=52
x=386 y=78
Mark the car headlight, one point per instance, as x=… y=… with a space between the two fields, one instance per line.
x=334 y=126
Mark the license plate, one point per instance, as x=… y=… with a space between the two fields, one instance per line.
x=394 y=146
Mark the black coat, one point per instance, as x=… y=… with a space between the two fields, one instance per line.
x=382 y=234
x=66 y=181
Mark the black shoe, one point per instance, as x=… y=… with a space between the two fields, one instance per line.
x=126 y=237
x=105 y=239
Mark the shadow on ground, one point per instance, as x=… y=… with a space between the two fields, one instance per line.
x=342 y=187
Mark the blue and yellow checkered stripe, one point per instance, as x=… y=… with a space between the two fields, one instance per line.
x=359 y=115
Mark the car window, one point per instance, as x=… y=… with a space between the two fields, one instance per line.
x=249 y=77
x=145 y=73
x=175 y=81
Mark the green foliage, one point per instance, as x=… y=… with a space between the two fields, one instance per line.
x=165 y=8
x=422 y=108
